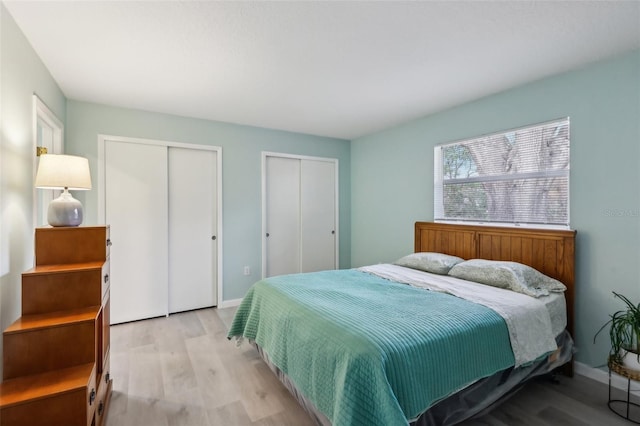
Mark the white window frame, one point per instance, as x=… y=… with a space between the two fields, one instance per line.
x=440 y=181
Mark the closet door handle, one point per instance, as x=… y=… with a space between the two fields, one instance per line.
x=214 y=238
x=267 y=235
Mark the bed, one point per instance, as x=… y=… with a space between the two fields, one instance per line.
x=391 y=345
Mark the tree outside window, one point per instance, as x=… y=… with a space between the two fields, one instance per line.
x=517 y=176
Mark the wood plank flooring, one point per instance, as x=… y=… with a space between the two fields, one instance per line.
x=182 y=371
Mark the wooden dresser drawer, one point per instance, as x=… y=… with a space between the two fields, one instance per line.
x=54 y=288
x=61 y=397
x=67 y=245
x=67 y=338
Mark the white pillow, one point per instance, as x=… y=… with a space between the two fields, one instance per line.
x=509 y=275
x=436 y=263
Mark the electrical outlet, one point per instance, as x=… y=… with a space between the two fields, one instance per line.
x=247 y=270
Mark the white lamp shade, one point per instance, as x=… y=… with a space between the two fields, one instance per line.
x=63 y=171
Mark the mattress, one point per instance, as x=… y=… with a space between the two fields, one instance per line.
x=473 y=401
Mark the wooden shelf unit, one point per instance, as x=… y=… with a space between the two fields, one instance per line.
x=56 y=355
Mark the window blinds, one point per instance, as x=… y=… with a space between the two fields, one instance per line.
x=518 y=176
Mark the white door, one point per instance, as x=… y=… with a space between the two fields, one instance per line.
x=48 y=134
x=300 y=211
x=136 y=208
x=192 y=229
x=318 y=215
x=282 y=216
x=44 y=139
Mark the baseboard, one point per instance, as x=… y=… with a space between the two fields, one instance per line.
x=229 y=303
x=602 y=376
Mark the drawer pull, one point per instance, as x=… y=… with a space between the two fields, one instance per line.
x=106 y=278
x=100 y=408
x=92 y=396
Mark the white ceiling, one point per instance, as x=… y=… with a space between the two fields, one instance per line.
x=334 y=68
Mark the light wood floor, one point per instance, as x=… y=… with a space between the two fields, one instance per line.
x=182 y=370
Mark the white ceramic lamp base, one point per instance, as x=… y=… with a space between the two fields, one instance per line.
x=64 y=211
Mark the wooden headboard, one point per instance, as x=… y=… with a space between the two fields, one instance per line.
x=549 y=251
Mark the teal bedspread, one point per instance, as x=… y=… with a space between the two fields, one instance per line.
x=368 y=351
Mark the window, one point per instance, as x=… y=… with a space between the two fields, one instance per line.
x=513 y=177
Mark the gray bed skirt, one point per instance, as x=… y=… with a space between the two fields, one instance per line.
x=473 y=401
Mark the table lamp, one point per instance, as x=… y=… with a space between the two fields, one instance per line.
x=63 y=172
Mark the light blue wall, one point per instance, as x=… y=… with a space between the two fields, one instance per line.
x=392 y=180
x=21 y=75
x=241 y=173
x=386 y=179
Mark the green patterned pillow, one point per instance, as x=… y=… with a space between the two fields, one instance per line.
x=509 y=275
x=436 y=263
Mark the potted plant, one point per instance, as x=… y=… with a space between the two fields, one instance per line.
x=624 y=334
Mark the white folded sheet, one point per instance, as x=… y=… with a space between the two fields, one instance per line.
x=527 y=318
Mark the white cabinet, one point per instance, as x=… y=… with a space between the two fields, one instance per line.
x=299 y=214
x=163 y=200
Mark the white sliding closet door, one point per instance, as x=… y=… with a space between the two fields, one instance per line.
x=300 y=210
x=136 y=209
x=317 y=214
x=161 y=200
x=283 y=215
x=192 y=225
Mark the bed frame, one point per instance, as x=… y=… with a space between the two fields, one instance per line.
x=551 y=252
